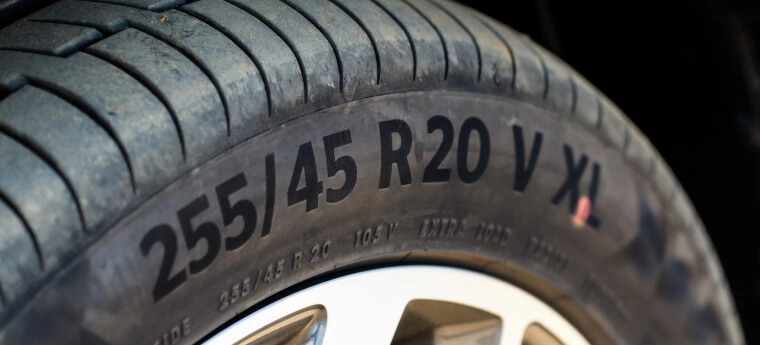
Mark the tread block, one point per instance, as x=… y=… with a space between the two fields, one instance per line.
x=85 y=153
x=232 y=71
x=587 y=106
x=42 y=199
x=462 y=52
x=662 y=178
x=683 y=207
x=353 y=48
x=191 y=96
x=426 y=44
x=316 y=56
x=20 y=268
x=529 y=80
x=560 y=93
x=131 y=114
x=613 y=128
x=496 y=74
x=101 y=16
x=639 y=152
x=278 y=62
x=59 y=39
x=235 y=75
x=150 y=5
x=394 y=49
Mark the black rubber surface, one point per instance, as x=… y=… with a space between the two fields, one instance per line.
x=104 y=104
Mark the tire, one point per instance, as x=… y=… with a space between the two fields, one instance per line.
x=156 y=154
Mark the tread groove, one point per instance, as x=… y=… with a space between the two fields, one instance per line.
x=10 y=86
x=50 y=162
x=23 y=50
x=467 y=30
x=366 y=31
x=35 y=242
x=327 y=36
x=506 y=45
x=546 y=75
x=3 y=299
x=145 y=82
x=574 y=91
x=440 y=37
x=85 y=108
x=285 y=39
x=240 y=46
x=408 y=37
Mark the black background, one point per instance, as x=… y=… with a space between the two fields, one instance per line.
x=683 y=72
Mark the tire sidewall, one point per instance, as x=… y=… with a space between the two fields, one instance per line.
x=512 y=214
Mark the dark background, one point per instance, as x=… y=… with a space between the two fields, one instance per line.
x=688 y=75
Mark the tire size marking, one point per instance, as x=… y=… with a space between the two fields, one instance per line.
x=274 y=271
x=164 y=235
x=235 y=293
x=269 y=273
x=306 y=164
x=238 y=291
x=207 y=240
x=320 y=251
x=207 y=232
x=433 y=173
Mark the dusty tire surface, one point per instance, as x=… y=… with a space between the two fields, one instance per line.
x=158 y=156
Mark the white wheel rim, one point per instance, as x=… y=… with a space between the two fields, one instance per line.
x=365 y=308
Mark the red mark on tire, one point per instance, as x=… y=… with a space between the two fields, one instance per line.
x=582 y=211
